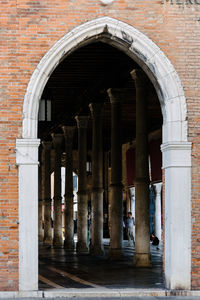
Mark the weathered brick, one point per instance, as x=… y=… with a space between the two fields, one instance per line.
x=28 y=30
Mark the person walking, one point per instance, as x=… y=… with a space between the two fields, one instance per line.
x=130 y=222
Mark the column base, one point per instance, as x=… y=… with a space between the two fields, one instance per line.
x=48 y=241
x=82 y=248
x=40 y=239
x=142 y=260
x=57 y=243
x=69 y=246
x=116 y=254
x=97 y=250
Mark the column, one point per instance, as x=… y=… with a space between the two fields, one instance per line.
x=106 y=166
x=82 y=244
x=142 y=256
x=128 y=204
x=27 y=162
x=132 y=201
x=47 y=193
x=116 y=187
x=69 y=196
x=106 y=194
x=177 y=197
x=40 y=203
x=97 y=179
x=57 y=222
x=158 y=189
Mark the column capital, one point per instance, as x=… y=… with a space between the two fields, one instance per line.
x=139 y=77
x=68 y=133
x=47 y=145
x=176 y=154
x=82 y=121
x=115 y=95
x=27 y=151
x=57 y=139
x=96 y=109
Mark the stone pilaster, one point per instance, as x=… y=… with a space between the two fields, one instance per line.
x=69 y=196
x=142 y=256
x=97 y=179
x=82 y=244
x=57 y=222
x=46 y=181
x=27 y=162
x=116 y=187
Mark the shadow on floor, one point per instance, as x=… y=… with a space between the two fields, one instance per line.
x=59 y=270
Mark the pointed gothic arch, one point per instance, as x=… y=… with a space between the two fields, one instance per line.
x=176 y=148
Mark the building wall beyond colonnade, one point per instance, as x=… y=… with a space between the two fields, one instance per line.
x=30 y=29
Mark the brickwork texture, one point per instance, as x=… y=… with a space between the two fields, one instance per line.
x=28 y=30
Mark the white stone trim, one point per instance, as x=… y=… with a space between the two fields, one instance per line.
x=176 y=154
x=27 y=161
x=136 y=45
x=27 y=151
x=101 y=293
x=177 y=166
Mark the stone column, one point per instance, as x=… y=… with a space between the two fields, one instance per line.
x=69 y=196
x=106 y=194
x=132 y=201
x=142 y=256
x=40 y=203
x=106 y=166
x=97 y=179
x=116 y=187
x=158 y=189
x=128 y=202
x=47 y=193
x=57 y=222
x=82 y=244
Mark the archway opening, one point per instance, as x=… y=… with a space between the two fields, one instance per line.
x=176 y=150
x=81 y=79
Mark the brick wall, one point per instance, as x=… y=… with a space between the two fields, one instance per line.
x=28 y=31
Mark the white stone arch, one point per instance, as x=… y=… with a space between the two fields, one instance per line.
x=149 y=56
x=176 y=149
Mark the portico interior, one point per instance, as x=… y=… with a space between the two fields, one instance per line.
x=92 y=117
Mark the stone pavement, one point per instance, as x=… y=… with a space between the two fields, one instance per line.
x=69 y=276
x=60 y=270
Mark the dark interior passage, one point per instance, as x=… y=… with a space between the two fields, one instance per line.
x=91 y=102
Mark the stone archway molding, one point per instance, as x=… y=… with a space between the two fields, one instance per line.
x=149 y=56
x=176 y=148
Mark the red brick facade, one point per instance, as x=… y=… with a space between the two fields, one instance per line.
x=28 y=30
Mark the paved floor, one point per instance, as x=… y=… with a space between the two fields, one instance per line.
x=58 y=270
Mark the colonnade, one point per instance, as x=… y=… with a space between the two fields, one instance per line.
x=142 y=256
